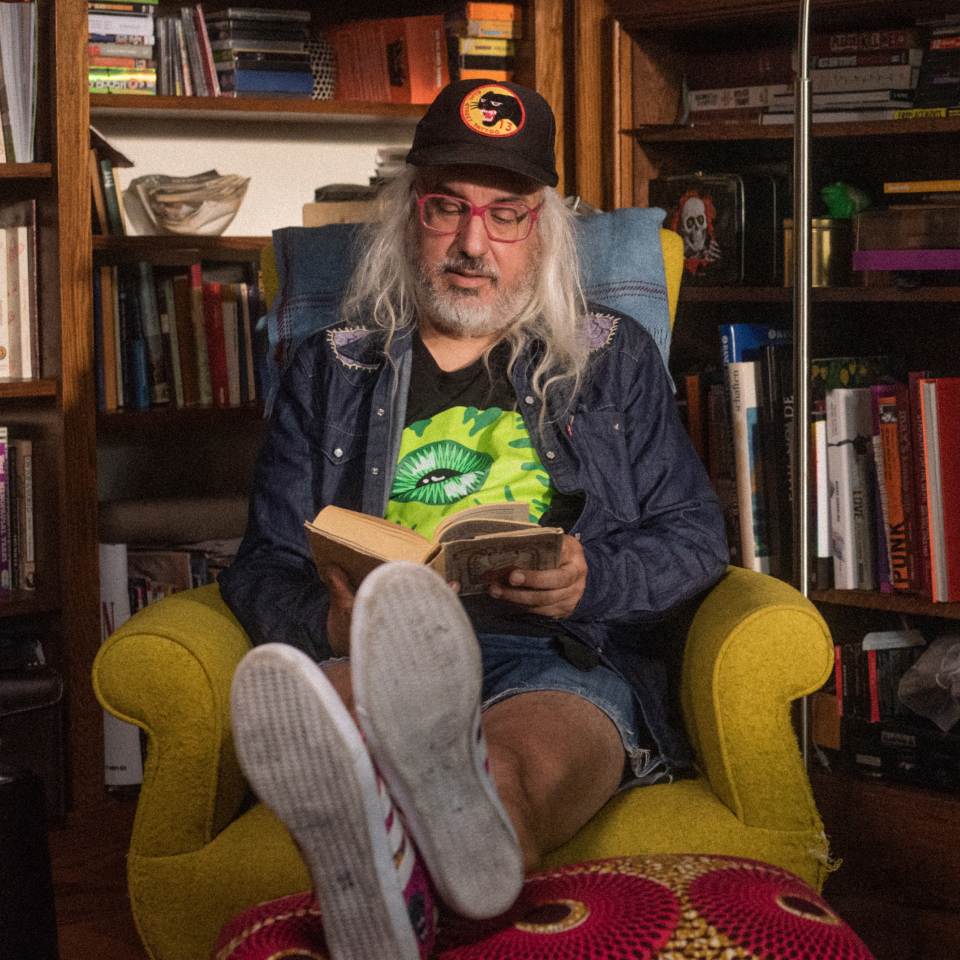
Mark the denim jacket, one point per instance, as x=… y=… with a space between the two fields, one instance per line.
x=651 y=527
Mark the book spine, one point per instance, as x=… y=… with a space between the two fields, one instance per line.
x=192 y=42
x=426 y=57
x=832 y=44
x=106 y=24
x=729 y=98
x=122 y=80
x=4 y=309
x=751 y=66
x=838 y=677
x=892 y=77
x=125 y=39
x=158 y=384
x=820 y=495
x=25 y=514
x=6 y=577
x=231 y=341
x=878 y=58
x=118 y=338
x=851 y=530
x=924 y=582
x=111 y=198
x=182 y=321
x=15 y=500
x=931 y=459
x=754 y=516
x=168 y=327
x=873 y=686
x=123 y=759
x=247 y=375
x=200 y=336
x=722 y=467
x=123 y=50
x=948 y=455
x=206 y=54
x=97 y=290
x=13 y=300
x=130 y=63
x=216 y=345
x=895 y=468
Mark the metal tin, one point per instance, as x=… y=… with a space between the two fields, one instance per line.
x=730 y=225
x=831 y=252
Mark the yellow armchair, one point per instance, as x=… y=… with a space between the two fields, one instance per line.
x=203 y=849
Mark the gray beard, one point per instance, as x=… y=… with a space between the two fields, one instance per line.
x=457 y=312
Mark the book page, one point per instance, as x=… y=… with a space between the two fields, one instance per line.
x=505 y=510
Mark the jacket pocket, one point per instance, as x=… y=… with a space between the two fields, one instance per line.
x=605 y=463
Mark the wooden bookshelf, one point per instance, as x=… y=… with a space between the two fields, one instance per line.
x=898 y=843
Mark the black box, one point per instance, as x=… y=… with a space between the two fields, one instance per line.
x=915 y=752
x=731 y=224
x=32 y=729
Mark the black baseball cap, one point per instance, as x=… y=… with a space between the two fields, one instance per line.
x=491 y=123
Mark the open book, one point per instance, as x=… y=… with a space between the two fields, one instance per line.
x=474 y=547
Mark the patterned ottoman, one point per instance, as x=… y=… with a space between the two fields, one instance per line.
x=672 y=907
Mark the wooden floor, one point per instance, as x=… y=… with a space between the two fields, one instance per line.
x=94 y=920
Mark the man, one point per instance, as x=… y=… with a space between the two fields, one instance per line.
x=467 y=369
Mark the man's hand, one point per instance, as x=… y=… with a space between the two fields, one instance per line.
x=341 y=611
x=550 y=593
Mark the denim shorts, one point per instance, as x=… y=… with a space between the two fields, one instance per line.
x=513 y=665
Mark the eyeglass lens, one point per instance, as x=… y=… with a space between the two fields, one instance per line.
x=505 y=222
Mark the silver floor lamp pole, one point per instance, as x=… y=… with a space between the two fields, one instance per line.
x=801 y=322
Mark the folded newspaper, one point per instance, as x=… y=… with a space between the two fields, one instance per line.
x=204 y=203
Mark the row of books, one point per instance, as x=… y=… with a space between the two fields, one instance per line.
x=863 y=75
x=131 y=577
x=252 y=52
x=165 y=337
x=19 y=327
x=18 y=81
x=17 y=544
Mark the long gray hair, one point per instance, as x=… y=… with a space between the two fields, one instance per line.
x=382 y=292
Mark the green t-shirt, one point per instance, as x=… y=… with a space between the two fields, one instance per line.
x=464 y=443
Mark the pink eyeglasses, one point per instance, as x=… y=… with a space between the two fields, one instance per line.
x=504 y=222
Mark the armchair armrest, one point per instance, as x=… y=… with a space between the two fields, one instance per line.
x=755 y=645
x=168 y=669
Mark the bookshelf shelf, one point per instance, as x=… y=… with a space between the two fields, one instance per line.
x=26 y=171
x=672 y=133
x=910 y=604
x=784 y=295
x=230 y=108
x=128 y=424
x=20 y=389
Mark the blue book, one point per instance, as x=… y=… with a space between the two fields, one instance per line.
x=266 y=81
x=744 y=341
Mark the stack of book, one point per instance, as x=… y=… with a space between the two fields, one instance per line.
x=19 y=331
x=121 y=46
x=261 y=53
x=169 y=338
x=866 y=75
x=726 y=86
x=18 y=81
x=184 y=58
x=938 y=88
x=402 y=60
x=482 y=40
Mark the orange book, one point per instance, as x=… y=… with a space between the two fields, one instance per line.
x=490 y=11
x=109 y=340
x=892 y=489
x=501 y=76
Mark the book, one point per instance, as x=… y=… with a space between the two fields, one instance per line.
x=750 y=467
x=182 y=322
x=109 y=339
x=260 y=60
x=922 y=571
x=722 y=469
x=18 y=223
x=855 y=41
x=101 y=222
x=474 y=547
x=104 y=6
x=249 y=30
x=507 y=29
x=153 y=574
x=97 y=291
x=194 y=52
x=216 y=345
x=822 y=556
x=849 y=469
x=248 y=383
x=111 y=199
x=265 y=81
x=134 y=363
x=854 y=99
x=926 y=113
x=105 y=24
x=869 y=58
x=166 y=306
x=940 y=407
x=123 y=758
x=157 y=381
x=18 y=61
x=206 y=54
x=130 y=63
x=6 y=573
x=259 y=15
x=486 y=11
x=258 y=46
x=231 y=340
x=750 y=66
x=832 y=116
x=727 y=98
x=23 y=447
x=888 y=77
x=197 y=314
x=895 y=468
x=922 y=186
x=141 y=82
x=401 y=60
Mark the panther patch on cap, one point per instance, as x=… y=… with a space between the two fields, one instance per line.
x=492 y=110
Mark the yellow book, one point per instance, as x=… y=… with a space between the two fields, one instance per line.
x=923 y=186
x=474 y=547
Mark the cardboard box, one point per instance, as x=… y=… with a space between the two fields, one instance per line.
x=344 y=211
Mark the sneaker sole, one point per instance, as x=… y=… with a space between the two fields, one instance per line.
x=305 y=759
x=417 y=674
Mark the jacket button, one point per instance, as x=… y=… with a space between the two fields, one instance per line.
x=338 y=452
x=550 y=454
x=375 y=470
x=380 y=412
x=528 y=401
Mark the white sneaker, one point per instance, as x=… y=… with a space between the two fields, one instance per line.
x=305 y=759
x=416 y=670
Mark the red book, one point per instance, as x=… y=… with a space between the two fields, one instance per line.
x=922 y=526
x=940 y=405
x=206 y=53
x=216 y=344
x=874 y=690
